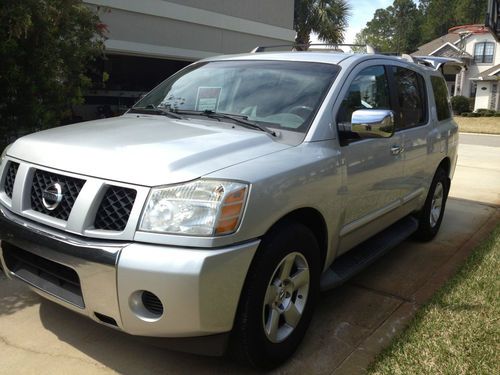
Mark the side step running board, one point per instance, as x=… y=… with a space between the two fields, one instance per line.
x=356 y=259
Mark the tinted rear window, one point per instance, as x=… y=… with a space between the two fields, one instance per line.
x=441 y=98
x=411 y=98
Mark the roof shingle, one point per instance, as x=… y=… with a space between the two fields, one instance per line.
x=427 y=48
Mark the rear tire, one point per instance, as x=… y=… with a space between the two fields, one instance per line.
x=278 y=300
x=431 y=215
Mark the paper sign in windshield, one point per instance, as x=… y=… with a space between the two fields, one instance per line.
x=208 y=98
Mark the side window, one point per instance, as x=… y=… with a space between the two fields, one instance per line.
x=370 y=89
x=441 y=98
x=411 y=97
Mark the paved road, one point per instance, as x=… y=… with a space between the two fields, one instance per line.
x=478 y=169
x=480 y=139
x=352 y=323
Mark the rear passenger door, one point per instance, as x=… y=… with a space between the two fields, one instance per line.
x=413 y=126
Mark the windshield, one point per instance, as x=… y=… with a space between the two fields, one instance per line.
x=277 y=94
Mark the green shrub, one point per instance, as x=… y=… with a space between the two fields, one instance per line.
x=465 y=114
x=485 y=112
x=460 y=104
x=482 y=110
x=497 y=114
x=474 y=114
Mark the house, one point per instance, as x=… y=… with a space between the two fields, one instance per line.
x=149 y=40
x=478 y=48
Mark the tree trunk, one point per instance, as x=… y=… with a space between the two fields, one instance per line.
x=302 y=39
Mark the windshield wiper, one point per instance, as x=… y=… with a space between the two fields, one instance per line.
x=164 y=111
x=239 y=119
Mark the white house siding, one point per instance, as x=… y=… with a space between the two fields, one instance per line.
x=149 y=40
x=488 y=95
x=474 y=69
x=194 y=29
x=482 y=95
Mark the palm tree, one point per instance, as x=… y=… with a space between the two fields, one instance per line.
x=327 y=18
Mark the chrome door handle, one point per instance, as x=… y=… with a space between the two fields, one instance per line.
x=396 y=149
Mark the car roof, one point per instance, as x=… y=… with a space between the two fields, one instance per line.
x=320 y=57
x=313 y=56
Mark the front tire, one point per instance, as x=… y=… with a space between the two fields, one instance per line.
x=278 y=300
x=431 y=215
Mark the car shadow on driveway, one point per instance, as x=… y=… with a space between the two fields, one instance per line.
x=345 y=317
x=16 y=298
x=351 y=325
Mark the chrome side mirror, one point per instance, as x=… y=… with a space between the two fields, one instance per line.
x=373 y=123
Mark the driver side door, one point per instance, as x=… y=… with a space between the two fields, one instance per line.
x=372 y=167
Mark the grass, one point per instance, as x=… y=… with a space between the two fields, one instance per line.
x=458 y=331
x=489 y=125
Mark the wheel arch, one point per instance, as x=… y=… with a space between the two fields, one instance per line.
x=312 y=219
x=445 y=164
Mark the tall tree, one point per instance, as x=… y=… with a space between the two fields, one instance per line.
x=327 y=18
x=378 y=32
x=46 y=47
x=393 y=29
x=441 y=15
x=403 y=26
x=471 y=11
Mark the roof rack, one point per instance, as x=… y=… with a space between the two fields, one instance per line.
x=453 y=66
x=298 y=47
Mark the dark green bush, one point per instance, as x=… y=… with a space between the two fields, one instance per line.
x=485 y=112
x=460 y=104
x=482 y=110
x=474 y=114
x=465 y=114
x=46 y=49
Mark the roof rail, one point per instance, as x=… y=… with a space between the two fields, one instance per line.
x=298 y=47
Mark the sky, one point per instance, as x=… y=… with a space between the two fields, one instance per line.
x=362 y=11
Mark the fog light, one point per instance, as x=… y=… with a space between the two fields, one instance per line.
x=146 y=305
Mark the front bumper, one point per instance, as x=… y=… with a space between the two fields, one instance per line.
x=199 y=288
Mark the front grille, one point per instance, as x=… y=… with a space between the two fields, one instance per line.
x=115 y=208
x=51 y=277
x=71 y=187
x=10 y=178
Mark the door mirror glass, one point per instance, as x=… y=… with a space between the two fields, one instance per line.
x=373 y=123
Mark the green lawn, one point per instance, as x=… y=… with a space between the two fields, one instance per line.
x=458 y=331
x=489 y=125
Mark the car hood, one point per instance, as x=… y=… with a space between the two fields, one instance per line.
x=144 y=150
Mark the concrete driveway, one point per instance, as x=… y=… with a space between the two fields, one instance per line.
x=351 y=325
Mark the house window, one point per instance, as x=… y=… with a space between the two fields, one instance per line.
x=483 y=52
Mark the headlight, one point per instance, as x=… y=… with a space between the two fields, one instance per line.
x=4 y=153
x=200 y=208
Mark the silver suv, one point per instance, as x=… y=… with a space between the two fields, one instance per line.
x=214 y=211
